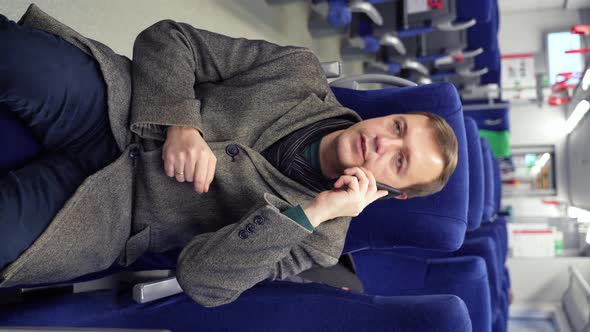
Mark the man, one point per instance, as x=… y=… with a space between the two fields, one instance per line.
x=231 y=152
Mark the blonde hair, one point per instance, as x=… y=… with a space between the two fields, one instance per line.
x=447 y=144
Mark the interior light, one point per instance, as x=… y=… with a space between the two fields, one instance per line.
x=582 y=215
x=577 y=115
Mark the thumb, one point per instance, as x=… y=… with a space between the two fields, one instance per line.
x=382 y=193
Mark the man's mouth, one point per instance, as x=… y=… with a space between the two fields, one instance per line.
x=363 y=148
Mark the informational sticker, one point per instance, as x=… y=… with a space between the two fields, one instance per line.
x=518 y=71
x=417 y=6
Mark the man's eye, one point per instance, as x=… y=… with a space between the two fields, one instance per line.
x=399 y=162
x=398 y=128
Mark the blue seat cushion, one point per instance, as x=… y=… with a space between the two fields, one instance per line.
x=437 y=221
x=476 y=174
x=269 y=306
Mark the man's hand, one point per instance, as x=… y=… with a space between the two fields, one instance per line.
x=361 y=191
x=188 y=157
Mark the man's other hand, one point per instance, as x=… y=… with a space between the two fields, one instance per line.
x=188 y=157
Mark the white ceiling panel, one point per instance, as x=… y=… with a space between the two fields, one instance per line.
x=527 y=5
x=578 y=4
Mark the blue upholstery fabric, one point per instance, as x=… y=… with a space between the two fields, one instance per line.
x=387 y=273
x=496 y=119
x=339 y=15
x=507 y=278
x=490 y=230
x=276 y=306
x=476 y=174
x=480 y=10
x=18 y=143
x=486 y=248
x=497 y=185
x=492 y=60
x=482 y=35
x=489 y=198
x=372 y=44
x=438 y=221
x=406 y=33
x=394 y=68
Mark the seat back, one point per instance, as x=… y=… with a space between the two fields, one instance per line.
x=489 y=198
x=476 y=175
x=437 y=221
x=386 y=273
x=480 y=10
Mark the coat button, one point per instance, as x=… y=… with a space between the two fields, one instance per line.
x=250 y=228
x=232 y=150
x=133 y=152
x=243 y=234
x=259 y=220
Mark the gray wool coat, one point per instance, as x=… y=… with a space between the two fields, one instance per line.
x=243 y=96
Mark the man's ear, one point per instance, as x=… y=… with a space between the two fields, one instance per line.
x=402 y=196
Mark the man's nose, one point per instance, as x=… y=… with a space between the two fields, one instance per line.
x=385 y=143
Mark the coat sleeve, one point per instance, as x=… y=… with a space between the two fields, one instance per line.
x=215 y=268
x=171 y=58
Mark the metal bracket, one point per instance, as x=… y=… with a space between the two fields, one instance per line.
x=449 y=26
x=367 y=9
x=389 y=39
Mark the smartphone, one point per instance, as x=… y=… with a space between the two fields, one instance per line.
x=380 y=186
x=392 y=191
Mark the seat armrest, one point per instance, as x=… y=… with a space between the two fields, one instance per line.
x=358 y=6
x=155 y=290
x=332 y=69
x=468 y=73
x=390 y=39
x=450 y=26
x=353 y=81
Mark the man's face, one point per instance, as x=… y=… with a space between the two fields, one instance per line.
x=400 y=149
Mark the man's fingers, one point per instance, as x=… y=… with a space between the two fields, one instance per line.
x=351 y=181
x=179 y=168
x=169 y=167
x=210 y=173
x=189 y=168
x=201 y=174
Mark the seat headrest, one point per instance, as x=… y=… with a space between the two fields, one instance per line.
x=476 y=174
x=495 y=119
x=438 y=221
x=489 y=200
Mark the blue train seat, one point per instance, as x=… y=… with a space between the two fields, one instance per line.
x=270 y=306
x=387 y=273
x=438 y=221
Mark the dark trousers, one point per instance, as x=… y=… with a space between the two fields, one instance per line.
x=56 y=92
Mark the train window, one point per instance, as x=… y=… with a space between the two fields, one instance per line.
x=530 y=172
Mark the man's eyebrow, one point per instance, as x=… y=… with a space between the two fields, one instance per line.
x=404 y=125
x=407 y=154
x=407 y=150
